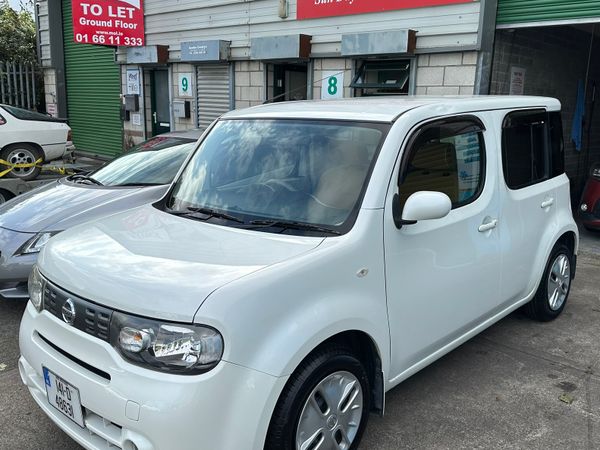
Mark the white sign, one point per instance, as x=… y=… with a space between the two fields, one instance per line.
x=185 y=85
x=517 y=80
x=136 y=119
x=133 y=81
x=52 y=109
x=333 y=85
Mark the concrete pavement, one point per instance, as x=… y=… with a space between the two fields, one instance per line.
x=518 y=385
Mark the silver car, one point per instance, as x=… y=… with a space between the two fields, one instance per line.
x=138 y=177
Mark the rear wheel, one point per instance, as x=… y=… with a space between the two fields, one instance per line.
x=325 y=404
x=22 y=154
x=553 y=291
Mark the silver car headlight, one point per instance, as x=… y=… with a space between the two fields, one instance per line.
x=167 y=347
x=36 y=243
x=35 y=285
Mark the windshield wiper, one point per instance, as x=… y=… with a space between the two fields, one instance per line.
x=290 y=224
x=208 y=212
x=83 y=177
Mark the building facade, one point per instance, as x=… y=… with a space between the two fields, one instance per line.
x=204 y=58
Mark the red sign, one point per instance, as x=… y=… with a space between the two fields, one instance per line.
x=108 y=22
x=312 y=9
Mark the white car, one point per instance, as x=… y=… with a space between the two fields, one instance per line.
x=308 y=258
x=27 y=137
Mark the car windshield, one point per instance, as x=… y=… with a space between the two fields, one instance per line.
x=280 y=173
x=153 y=162
x=24 y=114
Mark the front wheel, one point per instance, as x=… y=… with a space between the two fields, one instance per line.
x=24 y=154
x=324 y=406
x=553 y=291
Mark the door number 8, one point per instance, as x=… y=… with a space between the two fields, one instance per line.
x=332 y=85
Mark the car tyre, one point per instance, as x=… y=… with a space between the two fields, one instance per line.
x=5 y=196
x=325 y=403
x=19 y=154
x=552 y=294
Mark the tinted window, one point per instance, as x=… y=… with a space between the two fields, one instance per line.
x=295 y=170
x=157 y=165
x=557 y=144
x=24 y=114
x=447 y=158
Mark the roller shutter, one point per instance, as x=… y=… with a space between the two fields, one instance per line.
x=525 y=11
x=213 y=83
x=93 y=93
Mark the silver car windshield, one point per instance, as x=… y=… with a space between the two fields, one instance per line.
x=253 y=171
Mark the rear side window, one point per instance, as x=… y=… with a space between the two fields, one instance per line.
x=446 y=156
x=532 y=147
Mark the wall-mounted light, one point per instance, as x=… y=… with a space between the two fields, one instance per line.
x=284 y=9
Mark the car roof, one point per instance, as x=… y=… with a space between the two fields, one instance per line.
x=388 y=108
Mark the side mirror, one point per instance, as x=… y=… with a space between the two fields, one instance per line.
x=424 y=205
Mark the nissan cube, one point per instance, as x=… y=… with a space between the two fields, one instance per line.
x=308 y=257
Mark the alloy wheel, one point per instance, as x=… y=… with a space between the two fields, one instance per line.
x=559 y=280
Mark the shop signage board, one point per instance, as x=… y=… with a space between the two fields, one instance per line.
x=313 y=9
x=108 y=22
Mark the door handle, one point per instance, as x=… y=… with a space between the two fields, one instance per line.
x=488 y=224
x=154 y=116
x=547 y=203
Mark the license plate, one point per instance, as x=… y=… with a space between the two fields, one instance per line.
x=63 y=396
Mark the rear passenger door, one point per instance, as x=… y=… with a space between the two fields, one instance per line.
x=532 y=160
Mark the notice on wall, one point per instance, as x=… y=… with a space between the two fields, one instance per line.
x=312 y=9
x=517 y=80
x=185 y=84
x=133 y=81
x=52 y=109
x=108 y=22
x=136 y=119
x=332 y=85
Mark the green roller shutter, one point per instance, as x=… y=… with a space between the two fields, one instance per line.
x=93 y=93
x=525 y=11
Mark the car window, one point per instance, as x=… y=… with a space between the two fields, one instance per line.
x=445 y=157
x=296 y=170
x=2 y=120
x=532 y=147
x=24 y=114
x=157 y=164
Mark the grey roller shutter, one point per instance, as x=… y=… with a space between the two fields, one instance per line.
x=213 y=83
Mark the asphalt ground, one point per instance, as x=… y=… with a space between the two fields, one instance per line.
x=518 y=385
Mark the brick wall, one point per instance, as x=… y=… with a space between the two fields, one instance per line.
x=446 y=73
x=249 y=84
x=332 y=65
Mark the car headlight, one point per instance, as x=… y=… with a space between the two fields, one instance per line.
x=36 y=243
x=167 y=347
x=35 y=285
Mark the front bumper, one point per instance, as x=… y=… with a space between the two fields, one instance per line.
x=226 y=408
x=14 y=270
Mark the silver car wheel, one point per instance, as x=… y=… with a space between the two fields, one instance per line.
x=332 y=414
x=559 y=280
x=21 y=156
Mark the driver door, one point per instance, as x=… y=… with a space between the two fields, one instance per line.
x=443 y=275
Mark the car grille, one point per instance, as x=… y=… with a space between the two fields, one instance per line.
x=89 y=317
x=596 y=210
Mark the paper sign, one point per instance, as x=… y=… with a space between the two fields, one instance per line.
x=133 y=81
x=517 y=81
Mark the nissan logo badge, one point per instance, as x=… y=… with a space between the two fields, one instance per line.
x=68 y=312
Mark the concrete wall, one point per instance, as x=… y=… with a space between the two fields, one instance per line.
x=446 y=74
x=555 y=59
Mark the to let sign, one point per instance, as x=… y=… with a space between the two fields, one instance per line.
x=312 y=9
x=108 y=22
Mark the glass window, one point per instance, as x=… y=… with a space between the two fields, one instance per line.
x=313 y=172
x=2 y=120
x=525 y=153
x=447 y=157
x=557 y=144
x=24 y=114
x=153 y=162
x=382 y=77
